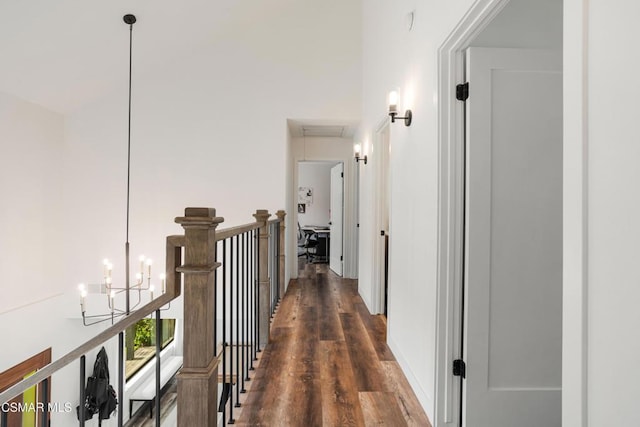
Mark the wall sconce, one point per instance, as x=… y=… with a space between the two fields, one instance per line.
x=393 y=109
x=358 y=149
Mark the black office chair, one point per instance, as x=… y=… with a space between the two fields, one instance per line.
x=307 y=243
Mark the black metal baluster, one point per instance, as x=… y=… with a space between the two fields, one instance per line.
x=121 y=379
x=45 y=402
x=158 y=364
x=274 y=295
x=270 y=262
x=275 y=268
x=83 y=373
x=225 y=385
x=245 y=348
x=231 y=260
x=276 y=261
x=215 y=305
x=237 y=322
x=3 y=418
x=256 y=284
x=250 y=310
x=242 y=320
x=258 y=291
x=280 y=279
x=253 y=296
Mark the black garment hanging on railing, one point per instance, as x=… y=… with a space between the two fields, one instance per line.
x=100 y=397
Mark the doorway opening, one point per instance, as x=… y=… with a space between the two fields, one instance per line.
x=500 y=219
x=320 y=209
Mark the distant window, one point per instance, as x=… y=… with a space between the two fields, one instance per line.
x=141 y=343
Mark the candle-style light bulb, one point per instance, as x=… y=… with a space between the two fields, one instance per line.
x=393 y=101
x=162 y=278
x=358 y=149
x=139 y=278
x=83 y=295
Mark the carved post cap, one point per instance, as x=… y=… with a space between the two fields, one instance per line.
x=261 y=215
x=281 y=214
x=199 y=216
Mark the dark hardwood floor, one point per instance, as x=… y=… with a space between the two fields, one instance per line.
x=328 y=363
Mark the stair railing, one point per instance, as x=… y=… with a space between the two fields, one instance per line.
x=248 y=295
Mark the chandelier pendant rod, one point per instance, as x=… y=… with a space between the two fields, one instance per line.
x=129 y=19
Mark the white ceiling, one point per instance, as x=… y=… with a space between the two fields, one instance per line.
x=63 y=54
x=322 y=128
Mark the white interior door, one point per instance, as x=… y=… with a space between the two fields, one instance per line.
x=335 y=225
x=512 y=341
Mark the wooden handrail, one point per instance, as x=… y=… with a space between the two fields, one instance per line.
x=235 y=231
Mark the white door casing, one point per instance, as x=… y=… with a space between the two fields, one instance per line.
x=335 y=227
x=513 y=232
x=382 y=223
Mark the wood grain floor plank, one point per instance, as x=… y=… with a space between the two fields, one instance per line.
x=340 y=404
x=289 y=306
x=407 y=401
x=377 y=330
x=364 y=359
x=330 y=327
x=381 y=409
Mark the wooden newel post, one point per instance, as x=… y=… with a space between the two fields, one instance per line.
x=281 y=262
x=264 y=287
x=198 y=378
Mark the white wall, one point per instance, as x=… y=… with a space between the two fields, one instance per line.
x=398 y=58
x=31 y=138
x=34 y=308
x=317 y=176
x=36 y=311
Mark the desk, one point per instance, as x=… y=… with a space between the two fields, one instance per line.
x=324 y=233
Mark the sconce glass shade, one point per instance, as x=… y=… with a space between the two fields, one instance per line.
x=358 y=151
x=393 y=101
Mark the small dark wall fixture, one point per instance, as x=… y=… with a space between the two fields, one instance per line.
x=393 y=110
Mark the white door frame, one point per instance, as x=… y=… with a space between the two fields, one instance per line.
x=378 y=266
x=450 y=207
x=450 y=215
x=331 y=220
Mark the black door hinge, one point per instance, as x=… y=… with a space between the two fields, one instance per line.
x=341 y=174
x=340 y=257
x=462 y=91
x=459 y=368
